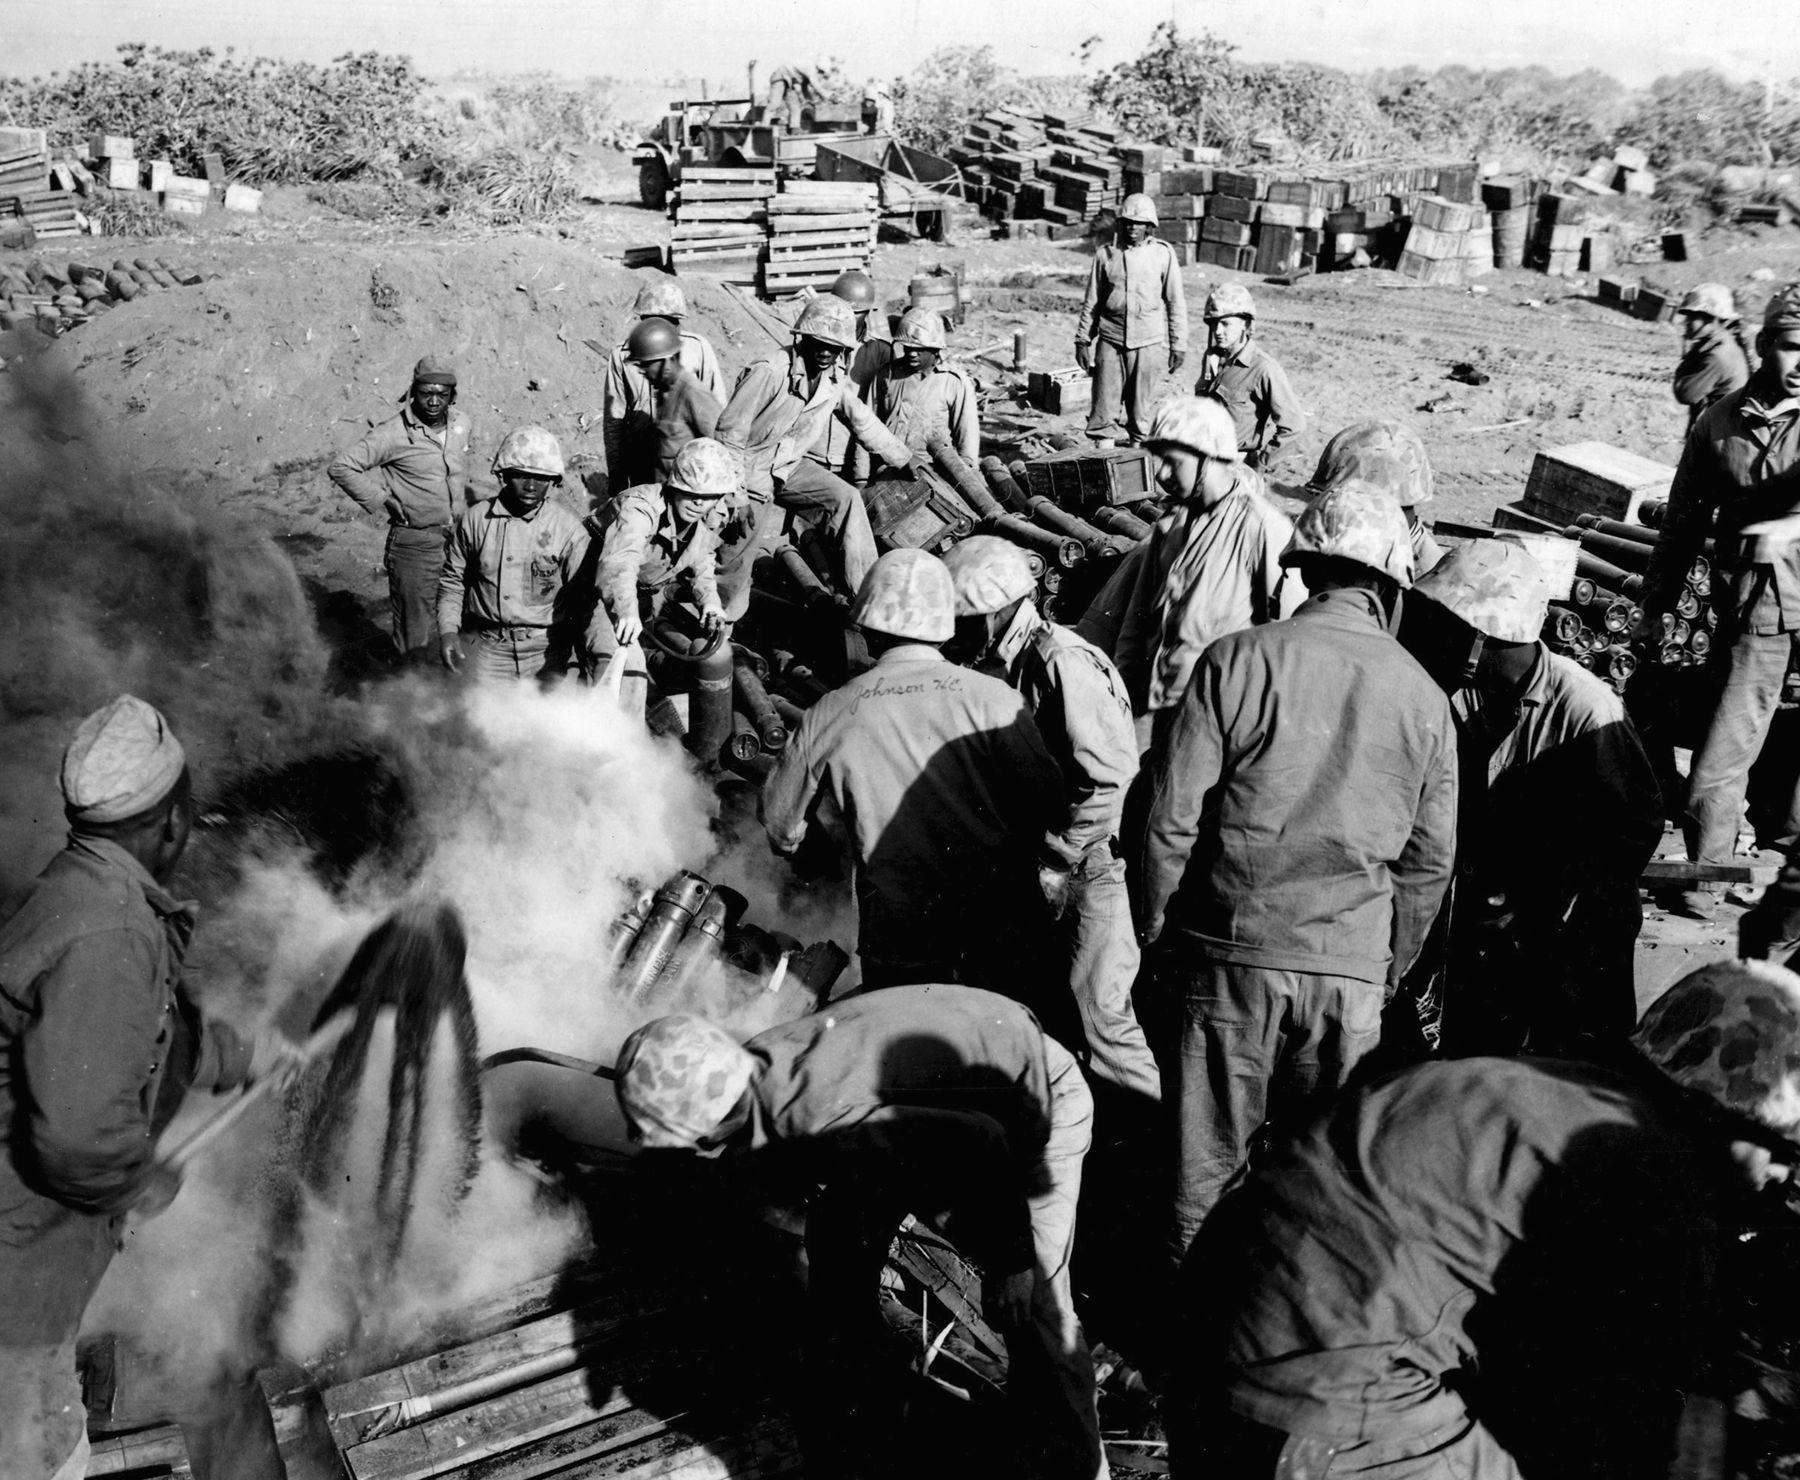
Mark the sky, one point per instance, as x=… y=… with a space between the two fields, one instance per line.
x=656 y=41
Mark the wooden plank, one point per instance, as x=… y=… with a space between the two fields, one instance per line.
x=501 y=1424
x=716 y=232
x=792 y=242
x=350 y=1407
x=806 y=221
x=725 y=174
x=1684 y=871
x=723 y=210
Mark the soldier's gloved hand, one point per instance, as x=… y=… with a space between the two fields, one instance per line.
x=1009 y=1303
x=1057 y=885
x=712 y=620
x=1177 y=358
x=1084 y=356
x=450 y=652
x=628 y=627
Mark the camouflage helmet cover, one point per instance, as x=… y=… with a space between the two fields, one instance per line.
x=1228 y=299
x=530 y=450
x=1387 y=454
x=679 y=1078
x=909 y=594
x=1358 y=522
x=830 y=319
x=706 y=468
x=1199 y=423
x=1493 y=585
x=1139 y=208
x=1710 y=298
x=661 y=297
x=989 y=574
x=1731 y=1032
x=923 y=328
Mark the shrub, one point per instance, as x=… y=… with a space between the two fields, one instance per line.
x=272 y=121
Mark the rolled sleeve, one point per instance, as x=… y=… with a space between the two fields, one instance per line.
x=622 y=556
x=866 y=427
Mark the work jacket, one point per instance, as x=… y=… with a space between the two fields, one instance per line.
x=629 y=410
x=506 y=571
x=646 y=547
x=1083 y=713
x=1134 y=298
x=1520 y=1243
x=1738 y=467
x=938 y=781
x=912 y=407
x=1303 y=815
x=1206 y=572
x=97 y=1044
x=942 y=1092
x=775 y=422
x=1256 y=392
x=1708 y=372
x=402 y=458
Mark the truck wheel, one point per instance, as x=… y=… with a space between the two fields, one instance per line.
x=653 y=184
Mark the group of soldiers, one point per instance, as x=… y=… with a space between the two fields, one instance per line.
x=1300 y=861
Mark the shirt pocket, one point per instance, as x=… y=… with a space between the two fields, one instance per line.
x=546 y=576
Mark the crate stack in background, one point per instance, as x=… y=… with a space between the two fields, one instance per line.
x=818 y=229
x=1448 y=242
x=721 y=221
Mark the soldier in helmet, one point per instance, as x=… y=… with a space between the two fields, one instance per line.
x=512 y=580
x=675 y=409
x=914 y=1099
x=1491 y=1267
x=1133 y=327
x=1736 y=483
x=1302 y=822
x=1389 y=455
x=1714 y=359
x=413 y=469
x=793 y=419
x=659 y=560
x=936 y=781
x=1246 y=377
x=874 y=352
x=1079 y=703
x=916 y=395
x=630 y=409
x=1540 y=942
x=1212 y=566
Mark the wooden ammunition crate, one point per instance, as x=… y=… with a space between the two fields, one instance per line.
x=1226 y=233
x=1248 y=184
x=916 y=513
x=1234 y=208
x=1061 y=392
x=1436 y=214
x=1437 y=270
x=1592 y=478
x=1085 y=477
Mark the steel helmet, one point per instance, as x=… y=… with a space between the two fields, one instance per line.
x=530 y=450
x=1228 y=299
x=922 y=328
x=1138 y=208
x=989 y=575
x=830 y=319
x=1199 y=423
x=679 y=1079
x=706 y=469
x=1355 y=521
x=1710 y=298
x=1493 y=585
x=1731 y=1032
x=856 y=288
x=1387 y=454
x=661 y=297
x=652 y=339
x=907 y=593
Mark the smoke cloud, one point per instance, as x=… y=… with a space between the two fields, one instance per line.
x=538 y=816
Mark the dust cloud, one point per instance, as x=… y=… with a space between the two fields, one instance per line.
x=536 y=816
